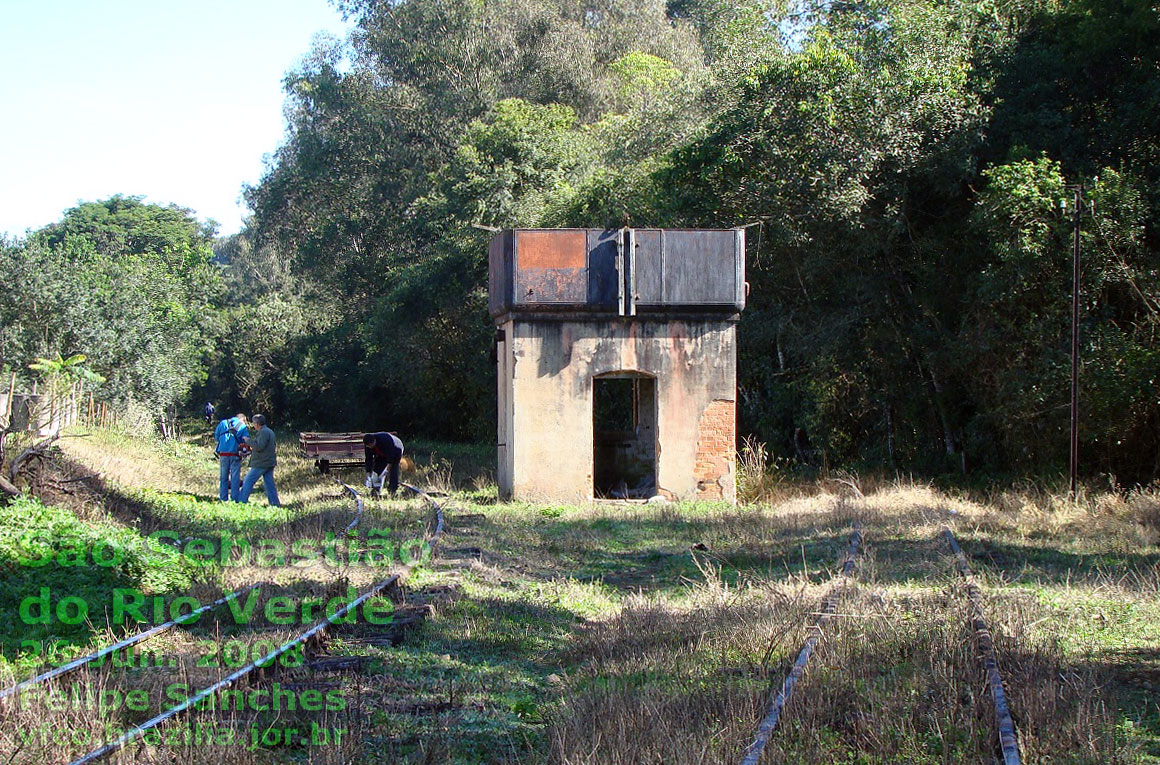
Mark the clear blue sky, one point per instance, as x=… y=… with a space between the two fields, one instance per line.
x=176 y=100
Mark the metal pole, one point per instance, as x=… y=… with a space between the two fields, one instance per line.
x=1073 y=462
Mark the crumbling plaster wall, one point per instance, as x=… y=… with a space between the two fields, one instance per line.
x=546 y=370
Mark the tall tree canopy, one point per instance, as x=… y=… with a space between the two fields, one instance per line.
x=905 y=161
x=127 y=284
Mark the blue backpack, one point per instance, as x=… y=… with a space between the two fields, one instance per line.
x=231 y=440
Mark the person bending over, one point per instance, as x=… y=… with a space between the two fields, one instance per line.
x=383 y=452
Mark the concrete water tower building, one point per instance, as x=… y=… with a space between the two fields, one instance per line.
x=616 y=355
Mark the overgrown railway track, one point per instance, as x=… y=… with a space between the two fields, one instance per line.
x=140 y=637
x=1007 y=735
x=1008 y=740
x=311 y=636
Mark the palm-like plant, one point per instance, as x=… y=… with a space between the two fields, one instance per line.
x=61 y=375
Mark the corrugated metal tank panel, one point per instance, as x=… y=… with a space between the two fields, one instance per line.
x=617 y=271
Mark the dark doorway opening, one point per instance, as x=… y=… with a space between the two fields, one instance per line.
x=624 y=428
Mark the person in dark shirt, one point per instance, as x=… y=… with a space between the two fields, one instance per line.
x=383 y=452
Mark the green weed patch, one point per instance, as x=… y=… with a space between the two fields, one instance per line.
x=50 y=556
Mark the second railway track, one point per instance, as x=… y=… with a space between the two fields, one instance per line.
x=136 y=639
x=1008 y=744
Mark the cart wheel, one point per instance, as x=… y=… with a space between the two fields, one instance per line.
x=323 y=466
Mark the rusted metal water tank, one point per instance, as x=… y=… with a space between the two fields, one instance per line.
x=622 y=272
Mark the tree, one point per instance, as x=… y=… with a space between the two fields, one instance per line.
x=852 y=150
x=122 y=225
x=1017 y=342
x=126 y=284
x=903 y=161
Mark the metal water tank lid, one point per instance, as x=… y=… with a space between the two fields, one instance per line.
x=617 y=271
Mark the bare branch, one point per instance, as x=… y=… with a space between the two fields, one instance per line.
x=36 y=450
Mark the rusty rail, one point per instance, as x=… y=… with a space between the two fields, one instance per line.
x=777 y=704
x=160 y=628
x=78 y=663
x=320 y=627
x=1008 y=739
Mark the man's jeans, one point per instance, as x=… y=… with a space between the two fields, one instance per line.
x=385 y=473
x=267 y=475
x=230 y=485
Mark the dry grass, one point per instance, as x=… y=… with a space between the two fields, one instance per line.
x=626 y=633
x=897 y=677
x=896 y=680
x=128 y=461
x=1146 y=506
x=659 y=681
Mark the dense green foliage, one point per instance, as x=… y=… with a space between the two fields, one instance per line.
x=906 y=162
x=127 y=284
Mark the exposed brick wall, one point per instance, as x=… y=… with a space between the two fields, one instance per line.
x=717 y=451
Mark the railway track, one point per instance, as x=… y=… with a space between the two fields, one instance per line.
x=1007 y=735
x=829 y=605
x=313 y=635
x=1008 y=740
x=140 y=637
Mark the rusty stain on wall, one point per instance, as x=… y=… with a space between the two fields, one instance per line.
x=549 y=249
x=596 y=401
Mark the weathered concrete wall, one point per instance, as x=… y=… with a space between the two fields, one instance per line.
x=504 y=426
x=546 y=369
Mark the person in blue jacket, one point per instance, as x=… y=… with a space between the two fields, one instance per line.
x=230 y=436
x=383 y=452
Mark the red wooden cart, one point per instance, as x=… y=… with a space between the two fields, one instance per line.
x=332 y=450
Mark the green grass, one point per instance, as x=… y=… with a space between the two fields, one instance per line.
x=191 y=514
x=626 y=633
x=50 y=548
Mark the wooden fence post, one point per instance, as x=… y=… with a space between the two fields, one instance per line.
x=8 y=403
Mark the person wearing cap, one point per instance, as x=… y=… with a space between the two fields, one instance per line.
x=262 y=461
x=383 y=452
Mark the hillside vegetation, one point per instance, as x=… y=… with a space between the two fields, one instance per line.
x=909 y=164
